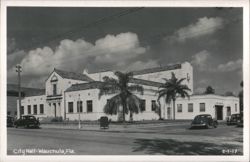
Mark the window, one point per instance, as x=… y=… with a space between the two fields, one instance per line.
x=8 y=112
x=54 y=89
x=179 y=107
x=22 y=110
x=35 y=109
x=190 y=107
x=235 y=107
x=41 y=109
x=79 y=106
x=153 y=105
x=15 y=113
x=202 y=107
x=89 y=106
x=70 y=107
x=143 y=105
x=29 y=109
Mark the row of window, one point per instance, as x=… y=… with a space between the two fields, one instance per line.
x=202 y=107
x=89 y=105
x=143 y=105
x=35 y=110
x=191 y=107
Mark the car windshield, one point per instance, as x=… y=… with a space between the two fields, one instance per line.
x=28 y=117
x=202 y=117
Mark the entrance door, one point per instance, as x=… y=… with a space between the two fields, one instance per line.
x=54 y=108
x=219 y=112
x=168 y=112
x=228 y=111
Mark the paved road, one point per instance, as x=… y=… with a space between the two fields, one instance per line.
x=155 y=139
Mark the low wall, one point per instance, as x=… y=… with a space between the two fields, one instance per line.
x=96 y=125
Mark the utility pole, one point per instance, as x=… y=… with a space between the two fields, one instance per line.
x=19 y=70
x=79 y=117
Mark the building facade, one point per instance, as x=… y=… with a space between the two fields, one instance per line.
x=72 y=96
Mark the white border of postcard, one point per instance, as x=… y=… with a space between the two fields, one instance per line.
x=146 y=3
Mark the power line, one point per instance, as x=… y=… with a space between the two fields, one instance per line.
x=97 y=22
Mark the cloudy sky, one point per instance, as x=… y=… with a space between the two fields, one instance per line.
x=126 y=39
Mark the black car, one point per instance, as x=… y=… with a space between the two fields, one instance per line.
x=204 y=120
x=240 y=121
x=233 y=119
x=10 y=121
x=27 y=121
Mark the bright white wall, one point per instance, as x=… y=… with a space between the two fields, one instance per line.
x=210 y=102
x=33 y=100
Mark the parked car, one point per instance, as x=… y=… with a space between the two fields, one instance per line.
x=204 y=120
x=27 y=121
x=10 y=121
x=240 y=121
x=233 y=119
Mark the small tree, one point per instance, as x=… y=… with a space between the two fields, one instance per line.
x=209 y=90
x=241 y=98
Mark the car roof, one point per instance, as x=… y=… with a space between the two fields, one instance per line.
x=204 y=115
x=28 y=116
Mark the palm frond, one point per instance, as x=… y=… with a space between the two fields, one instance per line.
x=133 y=103
x=113 y=104
x=180 y=80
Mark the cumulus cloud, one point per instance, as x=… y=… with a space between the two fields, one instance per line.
x=113 y=49
x=203 y=26
x=230 y=66
x=74 y=55
x=200 y=60
x=14 y=58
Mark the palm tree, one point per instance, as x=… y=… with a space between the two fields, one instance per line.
x=124 y=96
x=171 y=89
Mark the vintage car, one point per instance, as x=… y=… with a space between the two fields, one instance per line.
x=240 y=121
x=233 y=119
x=204 y=120
x=27 y=121
x=10 y=121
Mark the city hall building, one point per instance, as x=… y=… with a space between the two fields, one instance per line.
x=69 y=94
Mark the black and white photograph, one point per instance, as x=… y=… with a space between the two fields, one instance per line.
x=125 y=80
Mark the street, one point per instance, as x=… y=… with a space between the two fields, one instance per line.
x=157 y=139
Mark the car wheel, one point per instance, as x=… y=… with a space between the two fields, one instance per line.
x=16 y=126
x=215 y=125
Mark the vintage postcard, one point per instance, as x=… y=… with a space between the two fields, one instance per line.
x=125 y=80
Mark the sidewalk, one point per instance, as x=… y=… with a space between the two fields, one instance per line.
x=133 y=128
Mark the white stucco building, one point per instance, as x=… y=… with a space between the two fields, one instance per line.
x=65 y=90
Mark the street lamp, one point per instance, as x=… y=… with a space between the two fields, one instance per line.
x=79 y=117
x=19 y=70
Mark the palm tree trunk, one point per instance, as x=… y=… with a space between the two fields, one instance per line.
x=131 y=116
x=173 y=109
x=123 y=112
x=159 y=103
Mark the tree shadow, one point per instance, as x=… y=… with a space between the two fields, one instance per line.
x=174 y=147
